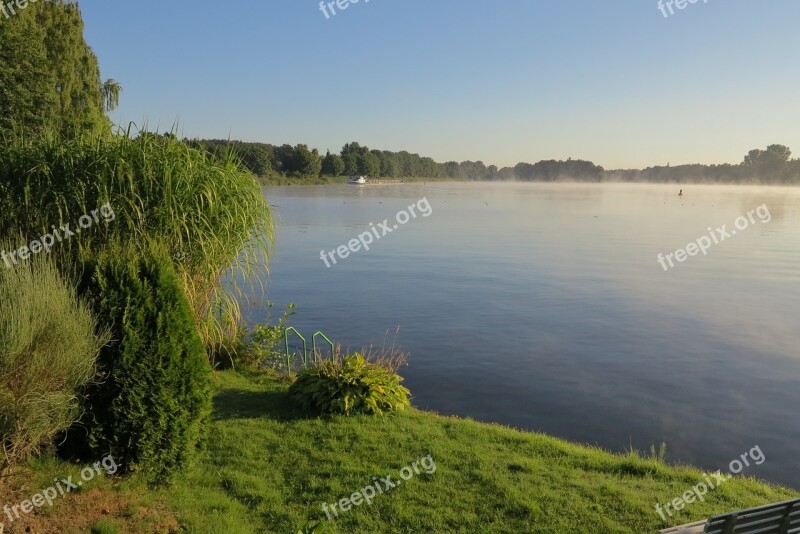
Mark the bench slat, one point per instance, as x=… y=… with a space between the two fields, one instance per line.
x=779 y=518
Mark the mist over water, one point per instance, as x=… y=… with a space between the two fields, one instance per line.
x=543 y=306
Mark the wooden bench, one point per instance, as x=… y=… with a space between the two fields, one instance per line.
x=779 y=518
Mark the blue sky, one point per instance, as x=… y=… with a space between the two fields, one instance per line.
x=512 y=80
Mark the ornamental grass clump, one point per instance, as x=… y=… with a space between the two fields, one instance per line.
x=49 y=342
x=213 y=215
x=351 y=385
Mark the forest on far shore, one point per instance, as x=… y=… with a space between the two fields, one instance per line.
x=774 y=165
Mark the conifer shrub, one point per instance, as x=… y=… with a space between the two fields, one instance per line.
x=155 y=391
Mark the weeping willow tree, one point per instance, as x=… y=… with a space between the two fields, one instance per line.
x=49 y=77
x=111 y=91
x=26 y=98
x=213 y=215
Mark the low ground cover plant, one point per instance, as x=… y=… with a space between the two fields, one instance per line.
x=352 y=385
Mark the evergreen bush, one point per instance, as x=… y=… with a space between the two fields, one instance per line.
x=155 y=391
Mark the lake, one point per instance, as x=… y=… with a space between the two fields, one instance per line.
x=545 y=307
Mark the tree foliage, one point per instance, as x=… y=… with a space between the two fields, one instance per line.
x=772 y=165
x=304 y=162
x=332 y=165
x=111 y=91
x=549 y=171
x=770 y=160
x=49 y=76
x=369 y=165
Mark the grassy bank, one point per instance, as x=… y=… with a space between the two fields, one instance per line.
x=267 y=468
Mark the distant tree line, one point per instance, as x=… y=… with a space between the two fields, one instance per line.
x=299 y=161
x=773 y=165
x=551 y=171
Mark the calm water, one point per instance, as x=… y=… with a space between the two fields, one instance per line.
x=543 y=306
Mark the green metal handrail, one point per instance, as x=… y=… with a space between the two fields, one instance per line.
x=314 y=345
x=305 y=349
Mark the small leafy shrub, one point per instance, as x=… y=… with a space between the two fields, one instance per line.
x=155 y=391
x=349 y=386
x=259 y=349
x=266 y=346
x=49 y=343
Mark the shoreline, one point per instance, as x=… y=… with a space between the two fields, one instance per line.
x=290 y=182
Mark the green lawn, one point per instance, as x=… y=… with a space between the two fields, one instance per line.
x=267 y=468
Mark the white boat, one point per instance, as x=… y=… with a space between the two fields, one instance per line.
x=358 y=180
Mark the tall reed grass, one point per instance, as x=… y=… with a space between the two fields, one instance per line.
x=212 y=214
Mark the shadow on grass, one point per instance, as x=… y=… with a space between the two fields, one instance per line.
x=235 y=404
